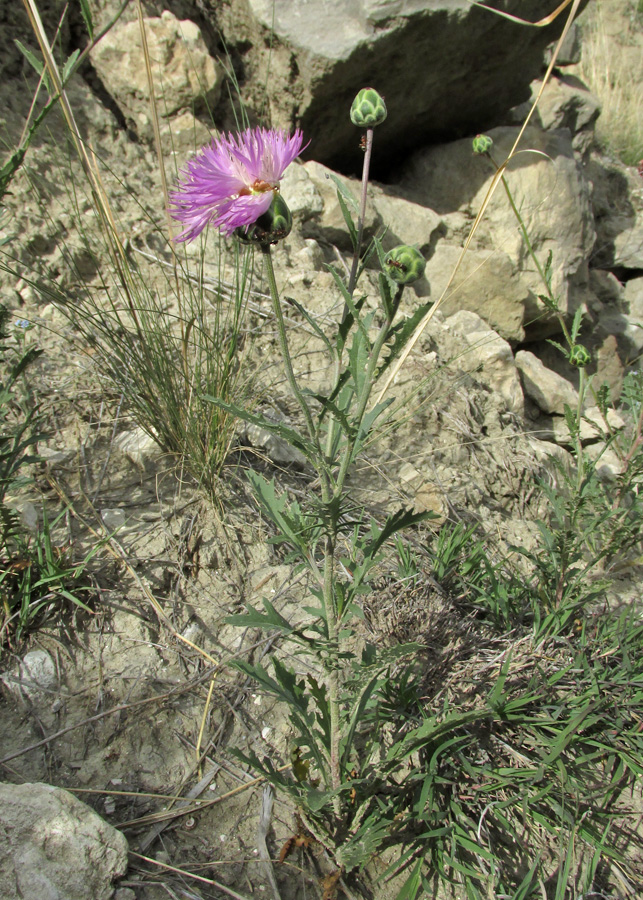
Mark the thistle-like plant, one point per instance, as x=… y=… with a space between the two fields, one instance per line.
x=236 y=180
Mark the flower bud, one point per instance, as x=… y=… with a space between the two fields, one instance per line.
x=404 y=264
x=272 y=226
x=368 y=109
x=579 y=356
x=481 y=144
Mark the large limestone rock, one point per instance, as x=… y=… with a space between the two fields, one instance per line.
x=52 y=846
x=550 y=392
x=444 y=66
x=618 y=208
x=486 y=355
x=185 y=75
x=553 y=197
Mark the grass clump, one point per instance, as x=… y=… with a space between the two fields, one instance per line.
x=36 y=572
x=612 y=66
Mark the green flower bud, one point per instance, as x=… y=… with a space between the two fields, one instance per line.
x=368 y=109
x=404 y=264
x=274 y=225
x=482 y=143
x=579 y=356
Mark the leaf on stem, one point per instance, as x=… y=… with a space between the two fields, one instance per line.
x=277 y=428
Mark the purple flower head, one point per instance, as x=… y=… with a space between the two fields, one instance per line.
x=231 y=182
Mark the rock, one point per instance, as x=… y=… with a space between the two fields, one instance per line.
x=549 y=391
x=406 y=221
x=328 y=223
x=486 y=283
x=53 y=847
x=35 y=677
x=186 y=75
x=567 y=103
x=311 y=256
x=633 y=297
x=570 y=50
x=444 y=66
x=424 y=495
x=618 y=209
x=113 y=519
x=183 y=135
x=548 y=187
x=27 y=511
x=607 y=287
x=311 y=192
x=608 y=465
x=276 y=448
x=300 y=192
x=139 y=447
x=489 y=357
x=592 y=427
x=54 y=458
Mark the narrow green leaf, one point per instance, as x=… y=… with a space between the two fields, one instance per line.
x=348 y=219
x=412 y=885
x=253 y=618
x=36 y=63
x=346 y=744
x=69 y=65
x=87 y=18
x=401 y=335
x=313 y=324
x=345 y=192
x=277 y=428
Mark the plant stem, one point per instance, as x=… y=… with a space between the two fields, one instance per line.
x=352 y=281
x=532 y=252
x=367 y=389
x=285 y=352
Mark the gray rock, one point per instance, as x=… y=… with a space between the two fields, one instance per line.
x=328 y=223
x=549 y=391
x=183 y=70
x=139 y=447
x=568 y=103
x=444 y=66
x=552 y=194
x=300 y=192
x=182 y=135
x=113 y=519
x=570 y=50
x=608 y=465
x=53 y=847
x=489 y=357
x=276 y=448
x=618 y=208
x=633 y=296
x=486 y=283
x=55 y=458
x=406 y=221
x=592 y=429
x=35 y=676
x=311 y=192
x=608 y=289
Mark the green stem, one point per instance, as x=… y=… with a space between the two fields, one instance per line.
x=532 y=252
x=352 y=281
x=329 y=550
x=579 y=415
x=367 y=389
x=283 y=345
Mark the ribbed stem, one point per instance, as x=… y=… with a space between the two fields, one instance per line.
x=283 y=345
